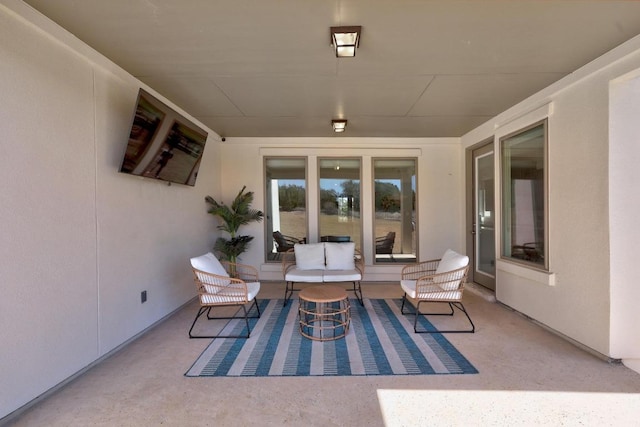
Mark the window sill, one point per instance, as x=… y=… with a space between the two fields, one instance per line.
x=527 y=272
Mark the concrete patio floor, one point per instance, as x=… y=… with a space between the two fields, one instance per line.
x=527 y=375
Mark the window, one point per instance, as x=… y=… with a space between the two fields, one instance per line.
x=339 y=181
x=395 y=204
x=524 y=196
x=286 y=204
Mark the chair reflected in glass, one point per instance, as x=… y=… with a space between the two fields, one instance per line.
x=384 y=247
x=384 y=244
x=285 y=243
x=531 y=251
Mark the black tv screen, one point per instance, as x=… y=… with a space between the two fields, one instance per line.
x=163 y=144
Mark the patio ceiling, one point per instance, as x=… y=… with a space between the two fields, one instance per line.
x=423 y=69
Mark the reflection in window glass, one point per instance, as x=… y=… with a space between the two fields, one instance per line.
x=340 y=200
x=524 y=196
x=395 y=210
x=286 y=199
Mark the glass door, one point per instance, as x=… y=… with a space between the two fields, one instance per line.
x=483 y=227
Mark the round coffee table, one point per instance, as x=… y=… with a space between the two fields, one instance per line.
x=324 y=312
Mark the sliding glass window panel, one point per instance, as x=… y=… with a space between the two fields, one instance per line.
x=339 y=182
x=395 y=202
x=286 y=204
x=524 y=196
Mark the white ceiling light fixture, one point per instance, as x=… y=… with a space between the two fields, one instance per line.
x=345 y=40
x=339 y=125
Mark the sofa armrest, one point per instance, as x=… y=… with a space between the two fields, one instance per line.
x=288 y=261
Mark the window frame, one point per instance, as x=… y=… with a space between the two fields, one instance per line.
x=501 y=168
x=395 y=260
x=319 y=160
x=267 y=200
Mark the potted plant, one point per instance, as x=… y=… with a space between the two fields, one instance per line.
x=234 y=216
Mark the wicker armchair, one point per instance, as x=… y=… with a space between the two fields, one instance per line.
x=436 y=281
x=224 y=284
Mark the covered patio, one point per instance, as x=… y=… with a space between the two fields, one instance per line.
x=527 y=375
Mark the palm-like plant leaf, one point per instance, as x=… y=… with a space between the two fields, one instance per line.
x=232 y=248
x=221 y=210
x=240 y=213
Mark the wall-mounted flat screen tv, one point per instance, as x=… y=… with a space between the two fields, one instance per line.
x=163 y=144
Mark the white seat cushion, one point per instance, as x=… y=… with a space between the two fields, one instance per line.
x=298 y=275
x=340 y=256
x=352 y=275
x=252 y=290
x=219 y=298
x=213 y=298
x=309 y=256
x=434 y=292
x=409 y=287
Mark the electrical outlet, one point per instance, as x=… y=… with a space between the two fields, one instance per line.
x=143 y=296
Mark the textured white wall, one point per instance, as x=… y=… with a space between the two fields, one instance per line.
x=624 y=205
x=575 y=298
x=47 y=212
x=146 y=230
x=80 y=240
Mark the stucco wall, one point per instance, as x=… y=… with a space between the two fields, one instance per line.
x=624 y=205
x=80 y=241
x=574 y=298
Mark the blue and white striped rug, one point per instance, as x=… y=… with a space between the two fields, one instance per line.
x=380 y=341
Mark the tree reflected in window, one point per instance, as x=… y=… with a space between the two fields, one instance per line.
x=339 y=181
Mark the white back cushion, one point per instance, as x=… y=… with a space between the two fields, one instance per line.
x=340 y=255
x=309 y=256
x=209 y=264
x=451 y=260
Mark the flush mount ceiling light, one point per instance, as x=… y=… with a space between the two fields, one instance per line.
x=339 y=125
x=345 y=40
